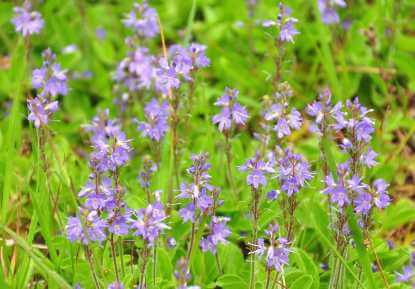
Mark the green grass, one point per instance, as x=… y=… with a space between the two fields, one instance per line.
x=35 y=202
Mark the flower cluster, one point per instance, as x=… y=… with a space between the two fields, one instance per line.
x=149 y=222
x=232 y=112
x=285 y=23
x=328 y=11
x=218 y=232
x=293 y=173
x=49 y=81
x=277 y=252
x=103 y=197
x=257 y=170
x=181 y=63
x=149 y=168
x=157 y=120
x=350 y=189
x=283 y=119
x=200 y=191
x=137 y=71
x=347 y=186
x=204 y=202
x=26 y=21
x=144 y=20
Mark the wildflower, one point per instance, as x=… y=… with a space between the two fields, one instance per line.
x=40 y=111
x=143 y=19
x=293 y=172
x=218 y=234
x=94 y=225
x=137 y=71
x=116 y=285
x=382 y=199
x=278 y=113
x=406 y=276
x=198 y=55
x=101 y=33
x=149 y=222
x=285 y=23
x=145 y=175
x=328 y=11
x=232 y=111
x=276 y=253
x=157 y=116
x=26 y=21
x=167 y=76
x=257 y=169
x=198 y=191
x=337 y=190
x=368 y=158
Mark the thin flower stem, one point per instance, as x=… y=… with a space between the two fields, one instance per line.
x=255 y=216
x=378 y=263
x=228 y=151
x=114 y=258
x=92 y=267
x=218 y=263
x=154 y=264
x=267 y=278
x=174 y=103
x=278 y=63
x=143 y=266
x=192 y=238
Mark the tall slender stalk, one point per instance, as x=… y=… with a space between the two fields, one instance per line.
x=114 y=258
x=91 y=267
x=255 y=217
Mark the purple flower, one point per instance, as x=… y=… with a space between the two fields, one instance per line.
x=285 y=23
x=293 y=172
x=363 y=203
x=27 y=22
x=149 y=222
x=257 y=169
x=328 y=12
x=101 y=33
x=336 y=191
x=137 y=71
x=145 y=175
x=188 y=213
x=382 y=199
x=50 y=79
x=157 y=116
x=116 y=285
x=232 y=111
x=198 y=55
x=167 y=77
x=119 y=226
x=276 y=253
x=94 y=225
x=144 y=20
x=279 y=115
x=40 y=110
x=406 y=275
x=219 y=231
x=369 y=158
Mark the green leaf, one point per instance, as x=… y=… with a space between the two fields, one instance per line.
x=304 y=282
x=231 y=281
x=360 y=247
